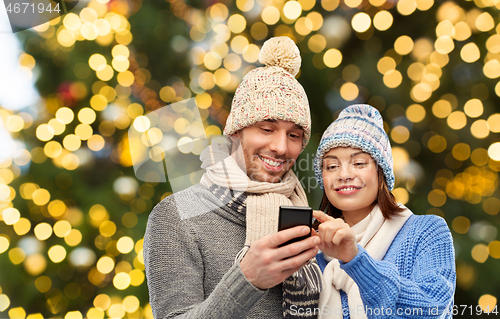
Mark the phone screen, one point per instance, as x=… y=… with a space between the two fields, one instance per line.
x=291 y=216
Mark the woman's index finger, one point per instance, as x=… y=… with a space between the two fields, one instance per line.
x=320 y=216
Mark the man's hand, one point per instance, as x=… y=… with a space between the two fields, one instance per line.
x=337 y=238
x=266 y=265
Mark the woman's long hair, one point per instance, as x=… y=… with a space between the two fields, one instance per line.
x=385 y=200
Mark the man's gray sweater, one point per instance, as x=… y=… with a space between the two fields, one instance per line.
x=191 y=241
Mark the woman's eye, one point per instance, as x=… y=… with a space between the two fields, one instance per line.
x=331 y=167
x=266 y=130
x=360 y=165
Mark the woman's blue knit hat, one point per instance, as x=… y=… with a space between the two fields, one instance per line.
x=358 y=126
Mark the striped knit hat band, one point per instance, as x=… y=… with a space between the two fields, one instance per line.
x=358 y=126
x=272 y=92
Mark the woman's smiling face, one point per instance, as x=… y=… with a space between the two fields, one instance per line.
x=351 y=181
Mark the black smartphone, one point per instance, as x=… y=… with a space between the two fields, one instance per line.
x=291 y=216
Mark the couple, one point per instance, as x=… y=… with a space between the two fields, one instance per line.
x=369 y=257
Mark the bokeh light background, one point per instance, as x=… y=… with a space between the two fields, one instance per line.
x=72 y=212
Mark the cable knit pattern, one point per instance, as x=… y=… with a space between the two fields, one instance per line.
x=417 y=274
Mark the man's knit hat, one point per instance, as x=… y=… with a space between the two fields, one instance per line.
x=358 y=126
x=272 y=92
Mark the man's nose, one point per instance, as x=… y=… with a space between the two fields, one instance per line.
x=279 y=143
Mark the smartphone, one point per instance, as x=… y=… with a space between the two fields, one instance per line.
x=291 y=216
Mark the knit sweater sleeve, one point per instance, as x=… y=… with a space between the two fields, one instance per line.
x=423 y=287
x=175 y=273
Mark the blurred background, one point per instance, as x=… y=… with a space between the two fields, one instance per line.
x=72 y=209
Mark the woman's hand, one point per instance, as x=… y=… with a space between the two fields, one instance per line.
x=337 y=238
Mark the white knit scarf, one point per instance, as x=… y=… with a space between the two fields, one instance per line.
x=264 y=199
x=375 y=233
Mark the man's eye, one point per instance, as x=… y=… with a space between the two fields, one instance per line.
x=294 y=135
x=265 y=130
x=360 y=164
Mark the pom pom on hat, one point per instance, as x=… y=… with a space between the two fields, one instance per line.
x=281 y=52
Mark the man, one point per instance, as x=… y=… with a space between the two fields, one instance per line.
x=211 y=251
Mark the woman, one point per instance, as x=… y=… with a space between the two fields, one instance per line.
x=378 y=259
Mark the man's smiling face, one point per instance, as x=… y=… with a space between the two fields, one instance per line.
x=270 y=148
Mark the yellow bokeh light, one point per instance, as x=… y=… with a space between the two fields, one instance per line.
x=491 y=69
x=43 y=231
x=71 y=142
x=437 y=143
x=400 y=134
x=97 y=62
x=444 y=44
x=488 y=303
x=120 y=63
x=406 y=7
x=102 y=302
x=10 y=216
x=470 y=53
x=445 y=28
x=14 y=123
x=485 y=22
x=125 y=78
x=382 y=20
x=251 y=53
x=57 y=125
x=44 y=132
x=107 y=228
x=441 y=109
x=317 y=43
x=353 y=3
x=73 y=238
x=494 y=123
x=40 y=196
x=57 y=253
x=4 y=244
x=141 y=124
x=88 y=15
x=17 y=313
x=22 y=227
x=421 y=92
x=304 y=26
x=72 y=22
x=415 y=113
x=17 y=255
x=105 y=265
x=65 y=115
x=493 y=43
x=461 y=224
x=116 y=310
x=239 y=43
x=259 y=30
x=84 y=131
x=480 y=129
x=62 y=228
x=457 y=120
x=361 y=22
x=137 y=276
x=105 y=74
x=424 y=5
x=222 y=77
x=403 y=45
x=401 y=195
x=317 y=20
x=480 y=253
x=73 y=315
x=131 y=304
x=70 y=162
x=270 y=15
x=292 y=10
x=332 y=58
x=473 y=108
x=236 y=23
x=125 y=245
x=121 y=281
x=212 y=60
x=349 y=91
x=392 y=79
x=245 y=5
x=43 y=284
x=329 y=5
x=462 y=31
x=437 y=198
x=386 y=64
x=461 y=151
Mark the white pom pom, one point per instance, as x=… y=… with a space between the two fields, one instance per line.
x=282 y=52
